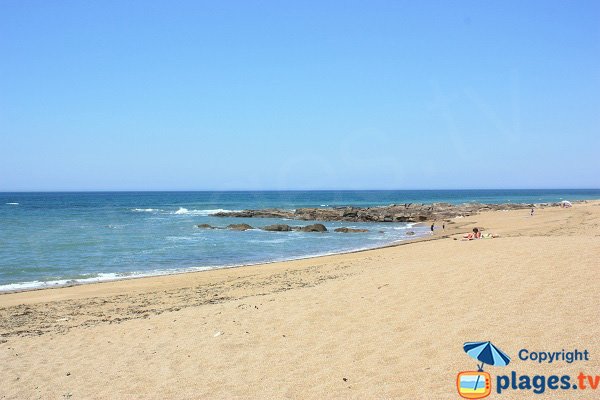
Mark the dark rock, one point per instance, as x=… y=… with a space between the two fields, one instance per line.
x=239 y=227
x=409 y=233
x=349 y=230
x=314 y=228
x=277 y=228
x=205 y=226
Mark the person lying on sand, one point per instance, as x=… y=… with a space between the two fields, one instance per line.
x=478 y=235
x=475 y=235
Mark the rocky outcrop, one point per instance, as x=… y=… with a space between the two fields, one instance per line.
x=277 y=228
x=409 y=212
x=350 y=230
x=314 y=228
x=205 y=226
x=239 y=227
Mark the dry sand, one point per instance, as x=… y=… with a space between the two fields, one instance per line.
x=385 y=323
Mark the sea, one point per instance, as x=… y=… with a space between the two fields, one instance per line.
x=55 y=239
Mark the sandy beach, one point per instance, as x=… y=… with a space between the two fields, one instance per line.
x=379 y=324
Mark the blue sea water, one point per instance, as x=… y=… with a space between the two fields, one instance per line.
x=49 y=239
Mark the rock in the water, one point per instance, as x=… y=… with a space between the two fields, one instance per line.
x=277 y=228
x=314 y=228
x=409 y=233
x=350 y=230
x=205 y=226
x=239 y=227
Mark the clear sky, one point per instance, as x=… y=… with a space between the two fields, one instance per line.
x=193 y=95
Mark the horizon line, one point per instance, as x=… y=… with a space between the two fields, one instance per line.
x=276 y=190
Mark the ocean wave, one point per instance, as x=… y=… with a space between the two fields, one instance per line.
x=280 y=240
x=101 y=277
x=406 y=226
x=181 y=211
x=110 y=226
x=185 y=211
x=12 y=204
x=184 y=238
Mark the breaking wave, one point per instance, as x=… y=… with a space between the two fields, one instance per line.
x=185 y=211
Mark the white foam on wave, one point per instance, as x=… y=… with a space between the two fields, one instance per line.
x=184 y=238
x=407 y=225
x=280 y=240
x=59 y=282
x=101 y=277
x=12 y=204
x=110 y=226
x=185 y=211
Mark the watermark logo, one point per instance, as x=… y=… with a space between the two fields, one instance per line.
x=478 y=384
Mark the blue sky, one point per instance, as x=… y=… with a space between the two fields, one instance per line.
x=147 y=95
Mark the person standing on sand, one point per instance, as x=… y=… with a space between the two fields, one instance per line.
x=432 y=225
x=532 y=211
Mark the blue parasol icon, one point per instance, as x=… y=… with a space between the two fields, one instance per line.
x=487 y=353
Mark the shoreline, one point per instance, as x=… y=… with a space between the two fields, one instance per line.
x=197 y=270
x=148 y=281
x=449 y=212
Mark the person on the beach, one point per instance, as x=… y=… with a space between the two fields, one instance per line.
x=444 y=226
x=475 y=235
x=532 y=211
x=432 y=225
